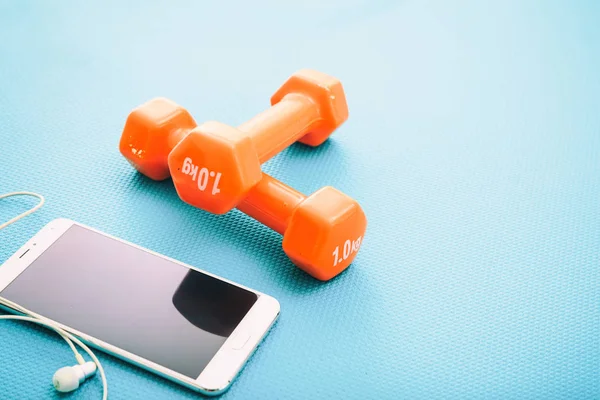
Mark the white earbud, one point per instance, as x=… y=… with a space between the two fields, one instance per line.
x=68 y=379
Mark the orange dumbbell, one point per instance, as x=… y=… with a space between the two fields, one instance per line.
x=215 y=165
x=322 y=233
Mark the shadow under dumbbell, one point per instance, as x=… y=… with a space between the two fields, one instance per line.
x=330 y=147
x=294 y=164
x=237 y=230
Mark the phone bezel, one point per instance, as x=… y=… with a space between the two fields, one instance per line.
x=223 y=367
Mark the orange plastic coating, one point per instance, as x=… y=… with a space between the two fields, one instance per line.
x=175 y=137
x=322 y=233
x=271 y=202
x=151 y=131
x=281 y=125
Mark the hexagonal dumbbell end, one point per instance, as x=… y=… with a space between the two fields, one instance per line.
x=233 y=169
x=327 y=93
x=151 y=132
x=325 y=233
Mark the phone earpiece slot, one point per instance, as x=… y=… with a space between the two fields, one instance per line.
x=26 y=251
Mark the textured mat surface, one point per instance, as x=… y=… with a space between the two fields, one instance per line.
x=473 y=144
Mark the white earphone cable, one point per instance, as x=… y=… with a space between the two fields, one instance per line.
x=26 y=213
x=80 y=359
x=69 y=338
x=38 y=319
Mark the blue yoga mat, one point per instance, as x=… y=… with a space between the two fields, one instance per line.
x=473 y=145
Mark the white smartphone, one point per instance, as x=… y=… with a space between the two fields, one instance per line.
x=175 y=320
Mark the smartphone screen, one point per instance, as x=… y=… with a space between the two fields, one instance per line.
x=147 y=305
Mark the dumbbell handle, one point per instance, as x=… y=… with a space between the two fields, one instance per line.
x=274 y=129
x=272 y=203
x=281 y=125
